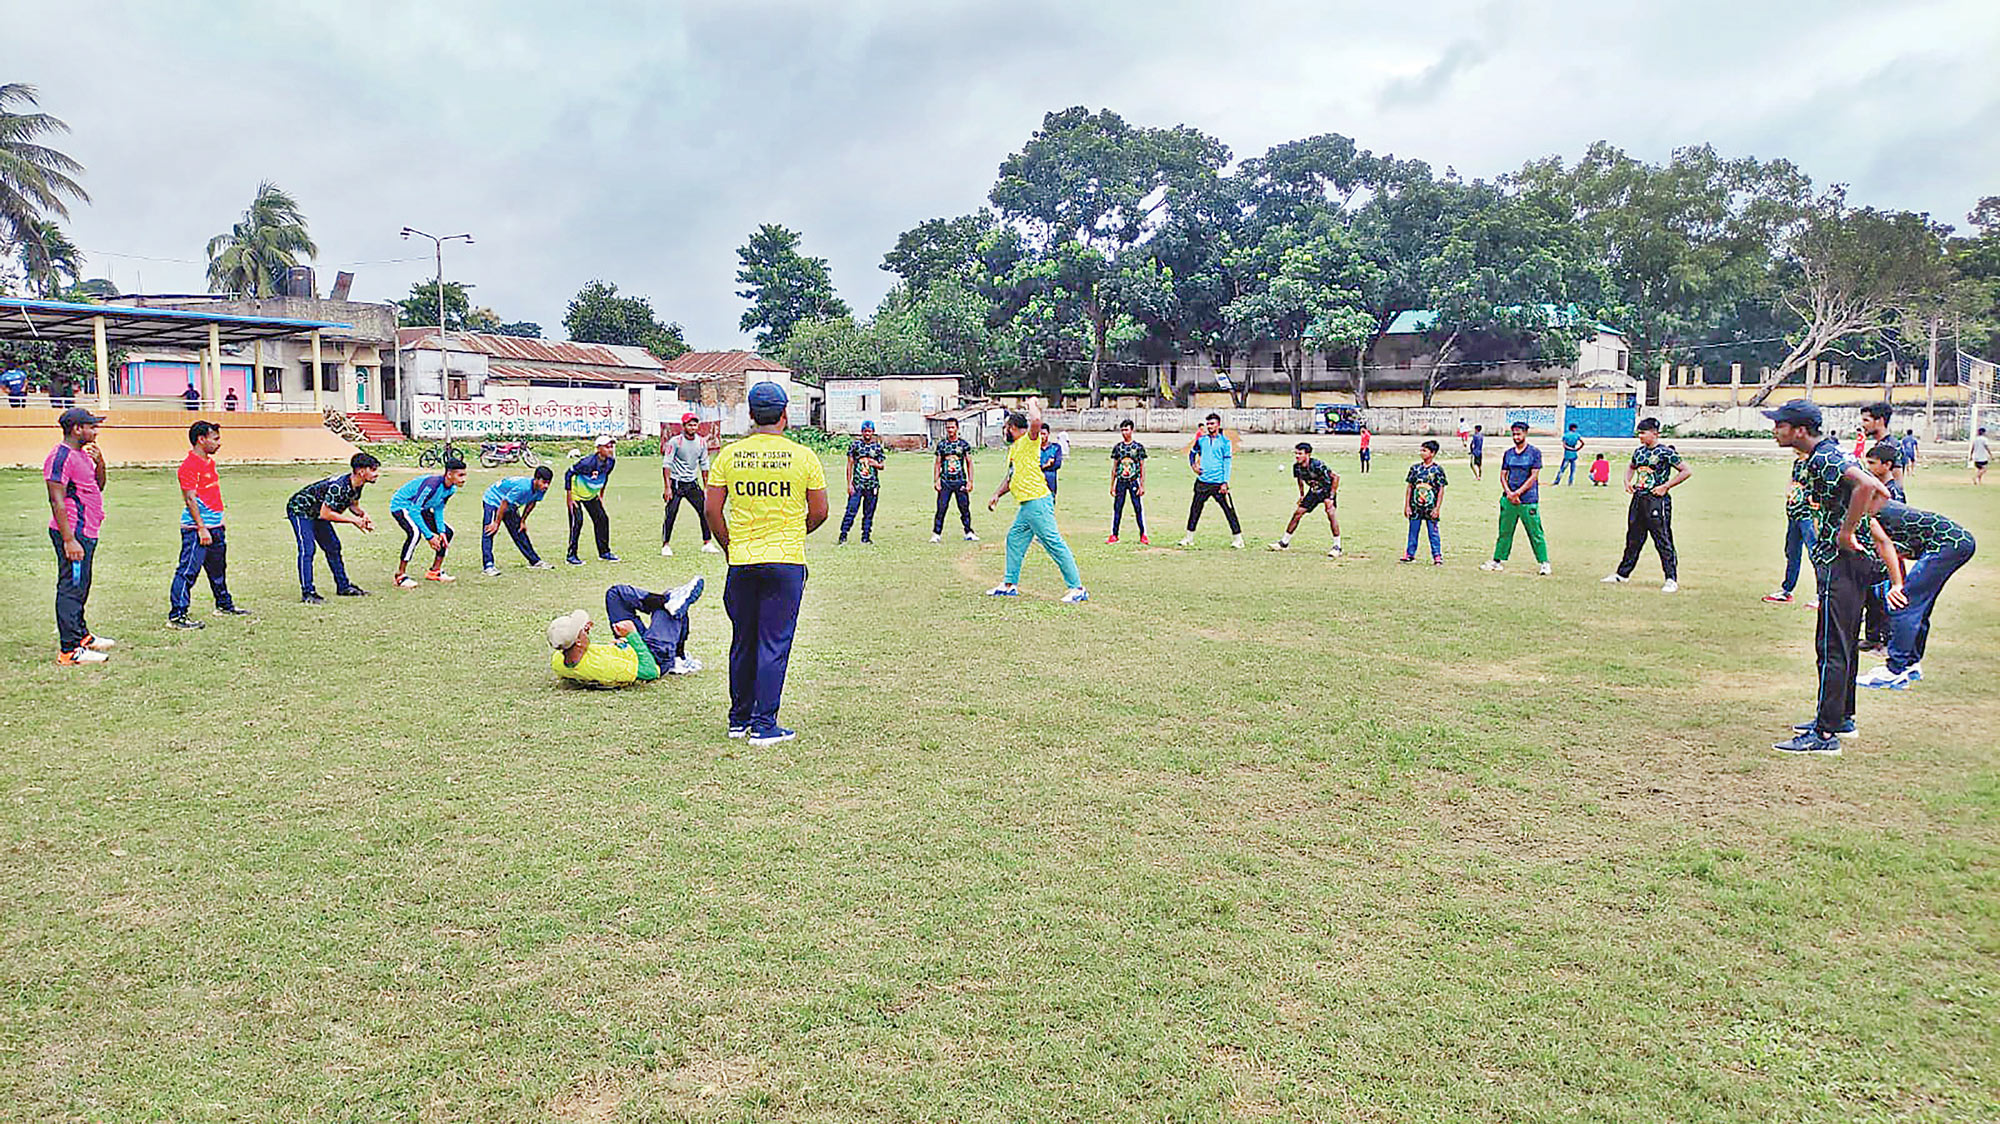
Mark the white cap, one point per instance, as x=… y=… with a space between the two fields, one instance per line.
x=604 y=439
x=564 y=630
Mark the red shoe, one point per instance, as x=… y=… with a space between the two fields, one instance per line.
x=1109 y=539
x=1144 y=541
x=1437 y=559
x=1778 y=598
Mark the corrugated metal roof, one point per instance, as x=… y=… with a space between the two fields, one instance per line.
x=617 y=377
x=722 y=363
x=1419 y=320
x=540 y=351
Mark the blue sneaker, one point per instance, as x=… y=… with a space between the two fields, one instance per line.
x=1003 y=591
x=1075 y=596
x=1810 y=742
x=736 y=731
x=772 y=736
x=679 y=599
x=1846 y=729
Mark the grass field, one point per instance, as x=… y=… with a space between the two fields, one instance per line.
x=1246 y=836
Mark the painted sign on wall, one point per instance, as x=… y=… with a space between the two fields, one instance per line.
x=537 y=410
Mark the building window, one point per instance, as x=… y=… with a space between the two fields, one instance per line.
x=329 y=376
x=1277 y=361
x=455 y=389
x=1621 y=360
x=274 y=380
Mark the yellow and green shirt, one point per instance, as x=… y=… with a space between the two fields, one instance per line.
x=617 y=664
x=1024 y=457
x=767 y=478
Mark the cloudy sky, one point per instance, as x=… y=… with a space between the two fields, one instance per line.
x=640 y=142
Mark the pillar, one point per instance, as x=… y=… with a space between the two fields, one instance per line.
x=103 y=365
x=1736 y=384
x=318 y=404
x=256 y=374
x=213 y=393
x=1562 y=407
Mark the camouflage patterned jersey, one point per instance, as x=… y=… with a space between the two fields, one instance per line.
x=1125 y=459
x=1655 y=466
x=866 y=478
x=1427 y=484
x=951 y=454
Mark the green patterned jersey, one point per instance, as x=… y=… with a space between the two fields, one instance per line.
x=1427 y=483
x=866 y=477
x=1126 y=457
x=1797 y=506
x=1823 y=476
x=1655 y=465
x=951 y=455
x=1917 y=532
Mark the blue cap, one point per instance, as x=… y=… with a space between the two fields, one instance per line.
x=768 y=396
x=868 y=425
x=1796 y=412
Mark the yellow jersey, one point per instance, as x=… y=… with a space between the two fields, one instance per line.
x=767 y=478
x=620 y=663
x=1024 y=457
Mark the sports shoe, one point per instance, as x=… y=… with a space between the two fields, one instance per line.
x=1846 y=729
x=841 y=541
x=1437 y=559
x=1407 y=558
x=693 y=665
x=1778 y=597
x=680 y=598
x=1004 y=591
x=1813 y=604
x=98 y=643
x=1670 y=586
x=438 y=576
x=1334 y=553
x=1544 y=570
x=231 y=611
x=736 y=731
x=1883 y=677
x=574 y=560
x=1188 y=541
x=666 y=550
x=607 y=556
x=183 y=623
x=1144 y=541
x=1075 y=596
x=679 y=666
x=406 y=582
x=970 y=537
x=1110 y=539
x=1915 y=671
x=709 y=547
x=772 y=736
x=491 y=571
x=1236 y=543
x=357 y=591
x=1614 y=579
x=540 y=564
x=80 y=656
x=1493 y=565
x=937 y=538
x=866 y=541
x=1810 y=742
x=316 y=599
x=1279 y=546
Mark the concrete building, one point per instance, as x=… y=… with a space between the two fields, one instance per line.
x=899 y=405
x=351 y=358
x=716 y=384
x=525 y=387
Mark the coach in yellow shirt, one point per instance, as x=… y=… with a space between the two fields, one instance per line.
x=1036 y=518
x=765 y=495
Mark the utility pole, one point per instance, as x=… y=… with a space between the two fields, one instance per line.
x=444 y=350
x=1930 y=387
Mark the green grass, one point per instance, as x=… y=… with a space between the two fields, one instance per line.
x=1245 y=836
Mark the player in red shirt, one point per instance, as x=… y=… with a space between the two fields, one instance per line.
x=202 y=545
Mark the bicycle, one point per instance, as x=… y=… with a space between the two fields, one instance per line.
x=434 y=456
x=493 y=454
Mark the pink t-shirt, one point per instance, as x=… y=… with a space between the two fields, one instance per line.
x=77 y=473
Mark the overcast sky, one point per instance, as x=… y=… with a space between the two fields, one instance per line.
x=640 y=142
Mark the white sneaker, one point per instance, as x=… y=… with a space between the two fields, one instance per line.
x=970 y=537
x=1075 y=596
x=679 y=666
x=666 y=550
x=1236 y=543
x=709 y=547
x=1279 y=546
x=540 y=564
x=937 y=538
x=1334 y=553
x=491 y=571
x=693 y=665
x=1613 y=579
x=1671 y=586
x=680 y=597
x=1883 y=677
x=1544 y=571
x=1188 y=541
x=1493 y=566
x=86 y=655
x=99 y=643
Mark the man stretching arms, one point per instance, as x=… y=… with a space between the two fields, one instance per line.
x=1319 y=487
x=951 y=476
x=1035 y=519
x=765 y=495
x=1212 y=450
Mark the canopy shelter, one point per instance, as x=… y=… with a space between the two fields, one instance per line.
x=107 y=326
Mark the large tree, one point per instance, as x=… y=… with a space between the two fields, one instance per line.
x=47 y=256
x=941 y=251
x=600 y=315
x=420 y=308
x=1088 y=188
x=1305 y=291
x=1847 y=273
x=251 y=259
x=36 y=182
x=784 y=287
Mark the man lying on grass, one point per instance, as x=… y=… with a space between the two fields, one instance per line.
x=637 y=653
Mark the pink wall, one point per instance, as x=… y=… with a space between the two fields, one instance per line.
x=168 y=379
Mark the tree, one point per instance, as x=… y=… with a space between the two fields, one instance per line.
x=600 y=315
x=253 y=257
x=523 y=329
x=1846 y=272
x=941 y=251
x=784 y=287
x=420 y=308
x=1089 y=188
x=1305 y=290
x=47 y=256
x=817 y=349
x=35 y=180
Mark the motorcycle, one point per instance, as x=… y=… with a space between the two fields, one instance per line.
x=493 y=454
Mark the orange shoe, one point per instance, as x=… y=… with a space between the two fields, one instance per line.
x=80 y=657
x=438 y=576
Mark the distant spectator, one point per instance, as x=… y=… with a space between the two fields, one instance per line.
x=16 y=382
x=1600 y=472
x=192 y=397
x=229 y=401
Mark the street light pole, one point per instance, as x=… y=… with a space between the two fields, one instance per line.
x=444 y=350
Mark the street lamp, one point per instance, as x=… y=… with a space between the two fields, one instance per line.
x=444 y=351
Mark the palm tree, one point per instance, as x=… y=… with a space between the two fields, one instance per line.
x=47 y=256
x=34 y=179
x=252 y=258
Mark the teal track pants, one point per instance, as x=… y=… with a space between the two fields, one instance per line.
x=1036 y=519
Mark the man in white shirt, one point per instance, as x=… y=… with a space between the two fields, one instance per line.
x=684 y=476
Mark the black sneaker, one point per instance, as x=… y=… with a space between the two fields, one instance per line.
x=1811 y=742
x=608 y=556
x=231 y=611
x=866 y=541
x=351 y=591
x=184 y=623
x=574 y=560
x=313 y=599
x=841 y=541
x=1845 y=729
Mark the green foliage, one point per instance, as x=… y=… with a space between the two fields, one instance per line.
x=600 y=315
x=47 y=256
x=251 y=259
x=784 y=287
x=524 y=329
x=37 y=182
x=941 y=251
x=420 y=308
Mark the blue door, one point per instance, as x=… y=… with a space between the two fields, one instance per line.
x=1603 y=421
